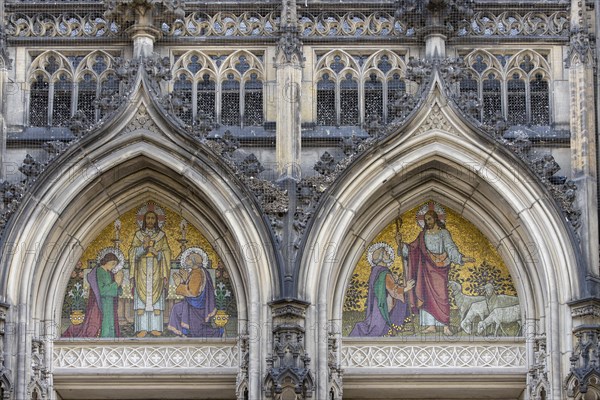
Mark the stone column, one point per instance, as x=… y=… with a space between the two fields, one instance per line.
x=289 y=61
x=583 y=133
x=5 y=65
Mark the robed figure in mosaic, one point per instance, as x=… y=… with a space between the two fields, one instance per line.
x=105 y=280
x=386 y=305
x=428 y=260
x=192 y=316
x=150 y=266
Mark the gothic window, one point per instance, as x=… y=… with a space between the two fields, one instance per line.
x=61 y=100
x=517 y=100
x=374 y=98
x=38 y=105
x=354 y=90
x=205 y=92
x=183 y=87
x=253 y=101
x=349 y=108
x=326 y=101
x=230 y=101
x=491 y=97
x=512 y=86
x=226 y=89
x=60 y=85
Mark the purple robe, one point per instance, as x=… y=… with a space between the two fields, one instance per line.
x=375 y=323
x=188 y=317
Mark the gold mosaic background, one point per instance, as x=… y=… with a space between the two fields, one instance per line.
x=470 y=241
x=129 y=226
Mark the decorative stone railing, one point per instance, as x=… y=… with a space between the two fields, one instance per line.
x=127 y=354
x=408 y=354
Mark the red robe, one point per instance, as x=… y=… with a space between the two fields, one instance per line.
x=431 y=288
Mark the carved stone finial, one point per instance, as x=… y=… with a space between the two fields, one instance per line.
x=139 y=12
x=326 y=165
x=580 y=47
x=79 y=124
x=289 y=46
x=288 y=368
x=435 y=12
x=251 y=166
x=585 y=361
x=30 y=168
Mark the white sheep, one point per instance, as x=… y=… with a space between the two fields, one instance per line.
x=499 y=316
x=479 y=309
x=498 y=300
x=462 y=301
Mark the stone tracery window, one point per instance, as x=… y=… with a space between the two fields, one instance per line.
x=514 y=86
x=353 y=90
x=61 y=85
x=226 y=89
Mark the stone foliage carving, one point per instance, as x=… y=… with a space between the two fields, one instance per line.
x=545 y=167
x=241 y=385
x=353 y=24
x=472 y=355
x=311 y=24
x=63 y=25
x=513 y=23
x=224 y=24
x=76 y=355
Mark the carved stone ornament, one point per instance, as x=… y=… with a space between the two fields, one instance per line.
x=241 y=386
x=289 y=47
x=5 y=60
x=585 y=361
x=79 y=124
x=38 y=383
x=6 y=385
x=334 y=368
x=538 y=384
x=435 y=12
x=580 y=48
x=143 y=12
x=31 y=169
x=288 y=367
x=545 y=167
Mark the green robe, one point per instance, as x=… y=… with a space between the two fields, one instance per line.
x=108 y=291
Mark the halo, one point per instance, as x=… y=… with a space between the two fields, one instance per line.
x=155 y=208
x=192 y=250
x=430 y=205
x=377 y=246
x=116 y=252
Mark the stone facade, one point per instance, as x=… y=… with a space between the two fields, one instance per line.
x=291 y=134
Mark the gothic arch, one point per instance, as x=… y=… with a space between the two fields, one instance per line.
x=444 y=159
x=136 y=156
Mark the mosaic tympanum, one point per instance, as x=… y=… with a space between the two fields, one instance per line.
x=433 y=274
x=149 y=274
